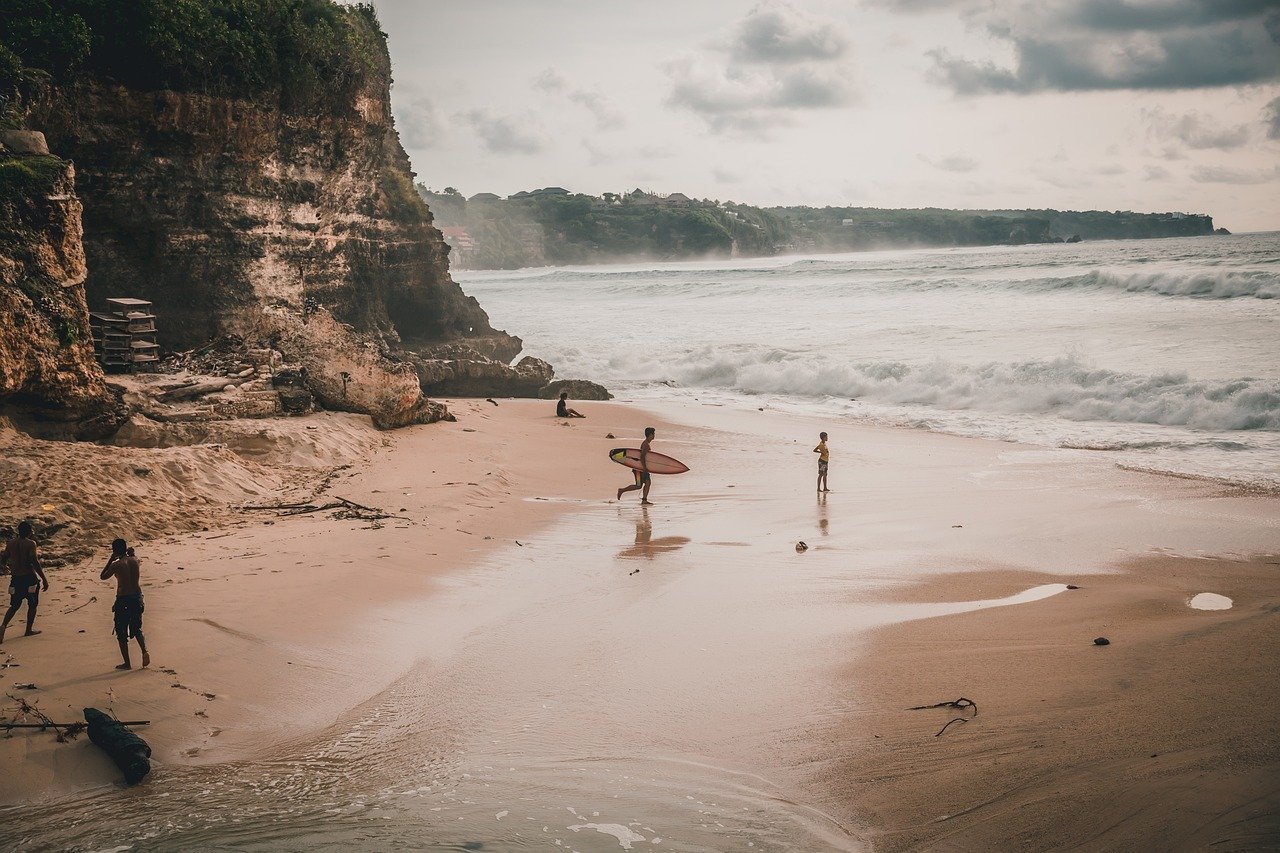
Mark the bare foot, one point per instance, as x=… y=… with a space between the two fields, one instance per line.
x=3 y=628
x=146 y=659
x=123 y=666
x=646 y=503
x=619 y=494
x=31 y=633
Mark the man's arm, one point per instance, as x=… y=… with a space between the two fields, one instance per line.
x=110 y=568
x=644 y=456
x=35 y=564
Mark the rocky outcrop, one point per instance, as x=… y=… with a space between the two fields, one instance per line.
x=49 y=380
x=577 y=389
x=296 y=231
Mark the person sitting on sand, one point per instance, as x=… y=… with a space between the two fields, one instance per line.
x=563 y=410
x=26 y=577
x=824 y=456
x=643 y=477
x=123 y=566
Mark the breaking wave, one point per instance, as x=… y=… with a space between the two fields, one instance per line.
x=1063 y=388
x=1206 y=284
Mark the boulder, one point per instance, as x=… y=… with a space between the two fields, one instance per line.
x=27 y=142
x=579 y=389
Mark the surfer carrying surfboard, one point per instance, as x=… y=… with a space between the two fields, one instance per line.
x=643 y=478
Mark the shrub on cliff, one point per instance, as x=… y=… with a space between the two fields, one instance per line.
x=301 y=51
x=24 y=184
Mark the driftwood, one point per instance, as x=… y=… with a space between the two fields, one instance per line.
x=130 y=752
x=76 y=726
x=962 y=704
x=344 y=507
x=187 y=392
x=91 y=600
x=65 y=731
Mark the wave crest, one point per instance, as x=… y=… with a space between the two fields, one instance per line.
x=1063 y=388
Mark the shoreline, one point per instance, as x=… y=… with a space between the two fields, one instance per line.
x=924 y=517
x=284 y=661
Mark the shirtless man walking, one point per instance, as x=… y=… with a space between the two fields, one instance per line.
x=643 y=478
x=26 y=577
x=123 y=566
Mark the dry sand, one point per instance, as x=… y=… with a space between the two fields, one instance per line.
x=287 y=623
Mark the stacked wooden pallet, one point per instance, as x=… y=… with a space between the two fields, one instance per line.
x=124 y=336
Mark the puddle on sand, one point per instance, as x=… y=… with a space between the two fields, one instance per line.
x=907 y=612
x=1209 y=601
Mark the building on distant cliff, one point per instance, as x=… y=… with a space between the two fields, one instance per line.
x=548 y=191
x=485 y=197
x=676 y=200
x=462 y=246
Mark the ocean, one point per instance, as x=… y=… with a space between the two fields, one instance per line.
x=1161 y=354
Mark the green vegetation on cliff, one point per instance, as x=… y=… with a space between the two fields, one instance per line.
x=554 y=226
x=25 y=182
x=297 y=50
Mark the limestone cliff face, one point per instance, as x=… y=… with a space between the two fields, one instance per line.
x=49 y=379
x=235 y=216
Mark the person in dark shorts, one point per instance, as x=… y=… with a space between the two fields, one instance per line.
x=563 y=410
x=26 y=577
x=643 y=478
x=123 y=566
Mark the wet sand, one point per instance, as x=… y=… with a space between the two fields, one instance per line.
x=676 y=675
x=1164 y=739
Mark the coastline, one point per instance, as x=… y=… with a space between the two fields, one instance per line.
x=750 y=653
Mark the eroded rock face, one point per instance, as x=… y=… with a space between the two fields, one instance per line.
x=49 y=380
x=578 y=389
x=236 y=217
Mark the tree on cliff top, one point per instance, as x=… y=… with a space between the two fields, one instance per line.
x=301 y=51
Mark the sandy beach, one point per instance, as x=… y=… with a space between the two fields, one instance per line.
x=513 y=643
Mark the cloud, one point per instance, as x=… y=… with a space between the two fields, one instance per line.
x=506 y=134
x=1271 y=117
x=1228 y=175
x=1195 y=130
x=776 y=63
x=419 y=122
x=954 y=163
x=779 y=33
x=551 y=81
x=606 y=115
x=1155 y=173
x=1070 y=45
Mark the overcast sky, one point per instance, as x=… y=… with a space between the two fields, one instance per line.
x=1148 y=105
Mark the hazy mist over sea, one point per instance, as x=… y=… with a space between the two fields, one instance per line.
x=1160 y=353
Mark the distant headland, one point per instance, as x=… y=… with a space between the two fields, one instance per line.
x=552 y=225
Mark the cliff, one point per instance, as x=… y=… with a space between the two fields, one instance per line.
x=252 y=205
x=554 y=226
x=49 y=379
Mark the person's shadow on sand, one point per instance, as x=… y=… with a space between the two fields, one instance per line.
x=645 y=545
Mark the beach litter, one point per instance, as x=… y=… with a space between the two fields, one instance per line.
x=1101 y=641
x=801 y=547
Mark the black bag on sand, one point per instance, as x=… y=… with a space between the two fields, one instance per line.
x=127 y=750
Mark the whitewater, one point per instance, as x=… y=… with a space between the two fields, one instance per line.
x=1161 y=354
